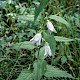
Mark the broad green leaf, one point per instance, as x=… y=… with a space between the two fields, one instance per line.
x=59 y=19
x=51 y=40
x=25 y=75
x=23 y=45
x=39 y=69
x=37 y=73
x=56 y=72
x=62 y=39
x=40 y=8
x=41 y=53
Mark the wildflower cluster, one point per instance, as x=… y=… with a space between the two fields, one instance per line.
x=37 y=39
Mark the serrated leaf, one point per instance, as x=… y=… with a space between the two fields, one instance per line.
x=62 y=39
x=40 y=8
x=23 y=45
x=39 y=69
x=59 y=19
x=56 y=72
x=25 y=75
x=51 y=40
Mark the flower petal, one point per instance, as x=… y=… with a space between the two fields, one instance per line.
x=37 y=39
x=50 y=27
x=47 y=50
x=32 y=40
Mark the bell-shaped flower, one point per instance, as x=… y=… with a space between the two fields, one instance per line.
x=47 y=50
x=37 y=39
x=51 y=27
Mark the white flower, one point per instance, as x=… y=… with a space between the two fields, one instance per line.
x=37 y=39
x=50 y=27
x=47 y=50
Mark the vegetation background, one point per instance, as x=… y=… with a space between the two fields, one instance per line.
x=20 y=20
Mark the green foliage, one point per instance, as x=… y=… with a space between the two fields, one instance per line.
x=62 y=39
x=55 y=72
x=51 y=40
x=63 y=59
x=41 y=53
x=20 y=21
x=25 y=75
x=40 y=8
x=23 y=45
x=39 y=69
x=59 y=19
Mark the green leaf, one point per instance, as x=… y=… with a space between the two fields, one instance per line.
x=78 y=39
x=62 y=39
x=39 y=69
x=23 y=45
x=41 y=53
x=25 y=75
x=56 y=72
x=51 y=40
x=56 y=60
x=3 y=4
x=63 y=59
x=40 y=8
x=59 y=19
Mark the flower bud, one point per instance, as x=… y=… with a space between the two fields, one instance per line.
x=50 y=27
x=47 y=50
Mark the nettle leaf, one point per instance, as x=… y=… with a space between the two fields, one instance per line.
x=25 y=75
x=51 y=40
x=23 y=45
x=39 y=69
x=59 y=19
x=62 y=39
x=56 y=72
x=40 y=8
